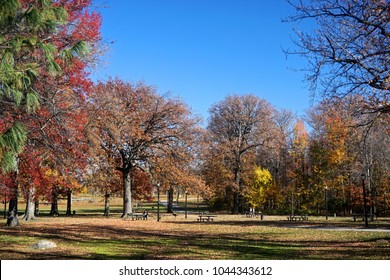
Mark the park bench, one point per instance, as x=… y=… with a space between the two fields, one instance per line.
x=362 y=216
x=206 y=218
x=304 y=217
x=138 y=216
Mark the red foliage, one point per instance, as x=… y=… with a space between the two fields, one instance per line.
x=357 y=198
x=7 y=185
x=142 y=186
x=56 y=140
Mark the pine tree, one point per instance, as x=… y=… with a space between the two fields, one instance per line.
x=27 y=53
x=21 y=25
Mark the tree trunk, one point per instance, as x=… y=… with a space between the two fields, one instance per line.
x=5 y=206
x=36 y=209
x=13 y=219
x=236 y=202
x=170 y=200
x=127 y=205
x=228 y=198
x=69 y=203
x=54 y=203
x=29 y=214
x=107 y=197
x=237 y=181
x=178 y=195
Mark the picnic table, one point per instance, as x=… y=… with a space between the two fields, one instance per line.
x=369 y=216
x=303 y=217
x=138 y=216
x=83 y=199
x=206 y=217
x=251 y=214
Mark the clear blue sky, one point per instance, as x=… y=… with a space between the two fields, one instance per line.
x=203 y=50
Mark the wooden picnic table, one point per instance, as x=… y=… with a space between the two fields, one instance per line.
x=369 y=216
x=254 y=214
x=304 y=217
x=138 y=216
x=206 y=218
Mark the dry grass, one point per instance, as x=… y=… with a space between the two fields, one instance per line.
x=228 y=237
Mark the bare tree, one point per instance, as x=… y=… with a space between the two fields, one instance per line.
x=348 y=48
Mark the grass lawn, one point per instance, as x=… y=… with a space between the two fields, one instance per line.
x=89 y=235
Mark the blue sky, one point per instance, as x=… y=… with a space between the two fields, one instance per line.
x=204 y=50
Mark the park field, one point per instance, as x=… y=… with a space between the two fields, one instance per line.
x=89 y=235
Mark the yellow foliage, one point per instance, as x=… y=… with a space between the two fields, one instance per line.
x=301 y=138
x=260 y=186
x=262 y=177
x=84 y=190
x=336 y=134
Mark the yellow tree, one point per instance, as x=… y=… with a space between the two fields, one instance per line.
x=260 y=190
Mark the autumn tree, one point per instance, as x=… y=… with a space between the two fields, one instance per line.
x=260 y=188
x=279 y=159
x=335 y=151
x=24 y=52
x=298 y=171
x=179 y=170
x=285 y=122
x=372 y=161
x=346 y=44
x=101 y=176
x=239 y=125
x=64 y=36
x=216 y=174
x=347 y=47
x=135 y=124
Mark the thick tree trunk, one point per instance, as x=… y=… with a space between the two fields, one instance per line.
x=12 y=216
x=69 y=203
x=54 y=203
x=29 y=214
x=228 y=198
x=13 y=219
x=178 y=195
x=170 y=200
x=5 y=207
x=107 y=197
x=36 y=209
x=237 y=181
x=127 y=203
x=236 y=202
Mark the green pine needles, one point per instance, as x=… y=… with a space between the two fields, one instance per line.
x=26 y=51
x=11 y=144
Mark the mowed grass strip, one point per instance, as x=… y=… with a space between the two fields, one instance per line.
x=228 y=237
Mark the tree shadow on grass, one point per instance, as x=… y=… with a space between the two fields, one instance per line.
x=288 y=224
x=92 y=241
